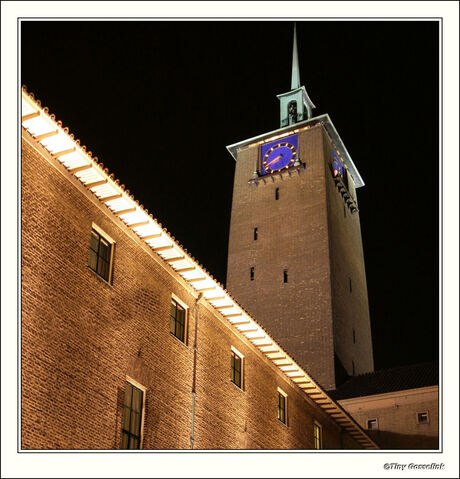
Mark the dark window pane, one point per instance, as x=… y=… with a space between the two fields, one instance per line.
x=92 y=260
x=94 y=245
x=104 y=250
x=124 y=440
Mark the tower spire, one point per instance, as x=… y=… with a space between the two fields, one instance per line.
x=295 y=78
x=295 y=105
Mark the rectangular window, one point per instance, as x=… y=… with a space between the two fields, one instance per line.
x=236 y=368
x=178 y=320
x=256 y=234
x=354 y=336
x=422 y=418
x=251 y=273
x=285 y=276
x=100 y=254
x=350 y=285
x=277 y=194
x=352 y=368
x=282 y=406
x=132 y=417
x=317 y=436
x=372 y=424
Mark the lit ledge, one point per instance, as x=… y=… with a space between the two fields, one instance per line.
x=278 y=175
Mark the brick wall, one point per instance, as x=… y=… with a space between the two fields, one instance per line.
x=82 y=337
x=348 y=278
x=306 y=233
x=396 y=415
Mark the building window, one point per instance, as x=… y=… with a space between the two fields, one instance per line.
x=251 y=273
x=354 y=336
x=352 y=368
x=422 y=418
x=101 y=254
x=317 y=436
x=285 y=276
x=177 y=320
x=350 y=285
x=277 y=194
x=282 y=406
x=372 y=424
x=236 y=368
x=132 y=417
x=256 y=234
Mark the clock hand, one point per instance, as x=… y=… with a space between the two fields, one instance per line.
x=274 y=160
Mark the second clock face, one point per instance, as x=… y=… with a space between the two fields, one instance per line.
x=278 y=154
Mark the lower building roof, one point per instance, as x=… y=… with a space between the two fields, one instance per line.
x=388 y=380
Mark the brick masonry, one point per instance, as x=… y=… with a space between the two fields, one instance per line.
x=82 y=337
x=396 y=415
x=305 y=232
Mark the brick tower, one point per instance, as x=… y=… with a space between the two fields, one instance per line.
x=295 y=257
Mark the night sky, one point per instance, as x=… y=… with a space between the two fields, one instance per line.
x=158 y=102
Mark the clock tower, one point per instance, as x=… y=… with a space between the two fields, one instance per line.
x=295 y=259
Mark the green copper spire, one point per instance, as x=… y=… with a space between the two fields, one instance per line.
x=295 y=105
x=295 y=78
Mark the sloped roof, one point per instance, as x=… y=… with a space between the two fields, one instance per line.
x=388 y=380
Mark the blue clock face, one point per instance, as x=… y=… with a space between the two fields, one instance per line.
x=337 y=166
x=278 y=155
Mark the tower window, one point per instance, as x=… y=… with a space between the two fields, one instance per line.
x=177 y=320
x=277 y=194
x=256 y=234
x=372 y=424
x=282 y=406
x=236 y=368
x=350 y=285
x=251 y=273
x=132 y=417
x=354 y=336
x=101 y=253
x=285 y=276
x=317 y=436
x=352 y=368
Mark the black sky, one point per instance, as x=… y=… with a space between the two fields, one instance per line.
x=158 y=102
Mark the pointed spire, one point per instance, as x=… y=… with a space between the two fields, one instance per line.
x=295 y=78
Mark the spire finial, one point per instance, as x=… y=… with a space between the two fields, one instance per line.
x=295 y=78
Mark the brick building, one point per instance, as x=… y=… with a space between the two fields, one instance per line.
x=398 y=407
x=127 y=342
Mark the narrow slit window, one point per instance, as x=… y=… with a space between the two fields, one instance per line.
x=354 y=336
x=350 y=285
x=251 y=273
x=317 y=436
x=236 y=369
x=352 y=368
x=256 y=234
x=132 y=417
x=282 y=406
x=285 y=276
x=277 y=194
